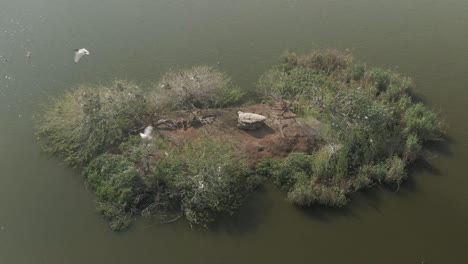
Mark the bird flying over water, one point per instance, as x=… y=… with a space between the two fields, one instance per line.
x=147 y=133
x=79 y=53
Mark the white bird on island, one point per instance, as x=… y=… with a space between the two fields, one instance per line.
x=79 y=53
x=201 y=185
x=147 y=133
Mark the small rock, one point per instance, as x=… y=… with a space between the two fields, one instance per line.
x=250 y=121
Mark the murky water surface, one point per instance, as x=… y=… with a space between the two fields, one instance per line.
x=47 y=216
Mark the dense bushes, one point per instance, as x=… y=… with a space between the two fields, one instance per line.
x=197 y=87
x=375 y=128
x=207 y=178
x=370 y=130
x=95 y=128
x=117 y=183
x=88 y=120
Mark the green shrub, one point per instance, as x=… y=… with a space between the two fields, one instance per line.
x=86 y=121
x=398 y=88
x=358 y=71
x=288 y=61
x=374 y=127
x=330 y=62
x=396 y=170
x=421 y=122
x=117 y=183
x=375 y=172
x=197 y=87
x=229 y=97
x=114 y=179
x=145 y=155
x=308 y=178
x=380 y=78
x=117 y=216
x=284 y=172
x=308 y=193
x=412 y=148
x=206 y=178
x=301 y=87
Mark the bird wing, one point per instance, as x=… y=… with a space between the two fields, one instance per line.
x=78 y=56
x=148 y=130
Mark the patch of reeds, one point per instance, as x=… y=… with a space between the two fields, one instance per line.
x=375 y=127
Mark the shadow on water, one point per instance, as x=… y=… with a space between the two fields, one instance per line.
x=372 y=198
x=442 y=147
x=248 y=217
x=326 y=214
x=422 y=165
x=368 y=199
x=410 y=185
x=417 y=97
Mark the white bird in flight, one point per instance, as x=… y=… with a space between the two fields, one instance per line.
x=79 y=53
x=147 y=133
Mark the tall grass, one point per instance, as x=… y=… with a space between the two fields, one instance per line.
x=376 y=128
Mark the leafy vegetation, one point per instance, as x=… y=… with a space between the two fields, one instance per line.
x=206 y=177
x=371 y=129
x=95 y=128
x=375 y=128
x=86 y=121
x=197 y=87
x=117 y=183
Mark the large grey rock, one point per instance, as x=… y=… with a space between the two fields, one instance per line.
x=250 y=121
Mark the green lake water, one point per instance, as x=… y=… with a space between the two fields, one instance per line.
x=48 y=216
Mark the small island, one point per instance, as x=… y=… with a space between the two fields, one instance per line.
x=319 y=125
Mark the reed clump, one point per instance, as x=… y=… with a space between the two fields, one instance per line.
x=374 y=127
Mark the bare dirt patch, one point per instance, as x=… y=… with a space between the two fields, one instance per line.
x=281 y=134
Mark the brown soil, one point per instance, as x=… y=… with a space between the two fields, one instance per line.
x=280 y=135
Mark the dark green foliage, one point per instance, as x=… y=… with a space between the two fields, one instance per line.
x=357 y=71
x=113 y=178
x=412 y=148
x=206 y=179
x=304 y=176
x=375 y=128
x=116 y=183
x=285 y=172
x=118 y=217
x=309 y=192
x=421 y=122
x=380 y=79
